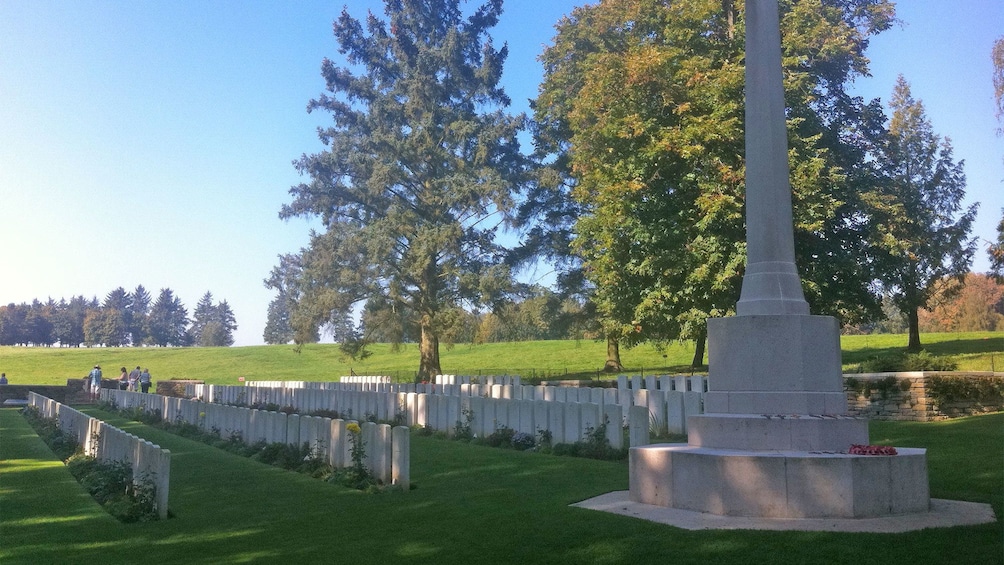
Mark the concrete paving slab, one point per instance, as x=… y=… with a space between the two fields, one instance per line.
x=943 y=514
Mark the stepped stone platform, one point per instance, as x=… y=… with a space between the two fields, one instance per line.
x=942 y=514
x=779 y=484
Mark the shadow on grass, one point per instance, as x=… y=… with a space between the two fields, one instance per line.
x=475 y=504
x=966 y=346
x=979 y=346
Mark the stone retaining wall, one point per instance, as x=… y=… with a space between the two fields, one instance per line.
x=174 y=387
x=915 y=396
x=20 y=392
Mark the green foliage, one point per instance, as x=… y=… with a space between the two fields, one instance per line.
x=63 y=445
x=902 y=361
x=501 y=437
x=462 y=430
x=110 y=483
x=920 y=237
x=545 y=440
x=213 y=325
x=884 y=386
x=420 y=170
x=354 y=347
x=945 y=389
x=303 y=458
x=996 y=249
x=642 y=106
x=595 y=446
x=168 y=321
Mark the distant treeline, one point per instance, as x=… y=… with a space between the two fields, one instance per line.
x=122 y=319
x=974 y=305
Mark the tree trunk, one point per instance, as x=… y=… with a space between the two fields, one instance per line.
x=613 y=363
x=914 y=322
x=728 y=6
x=428 y=348
x=702 y=338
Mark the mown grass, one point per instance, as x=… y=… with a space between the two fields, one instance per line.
x=542 y=359
x=473 y=504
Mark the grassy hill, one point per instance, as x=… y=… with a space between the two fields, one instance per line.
x=541 y=359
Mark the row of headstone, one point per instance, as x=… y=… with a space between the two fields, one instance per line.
x=107 y=443
x=506 y=380
x=375 y=383
x=668 y=409
x=682 y=383
x=328 y=439
x=371 y=379
x=623 y=395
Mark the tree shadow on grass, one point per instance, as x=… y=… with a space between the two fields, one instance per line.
x=974 y=346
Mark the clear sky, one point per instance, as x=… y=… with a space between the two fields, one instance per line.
x=150 y=142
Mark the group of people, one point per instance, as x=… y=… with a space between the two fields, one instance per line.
x=137 y=380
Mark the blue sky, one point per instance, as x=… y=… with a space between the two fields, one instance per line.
x=150 y=142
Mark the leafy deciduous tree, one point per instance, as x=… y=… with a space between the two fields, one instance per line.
x=996 y=249
x=648 y=98
x=977 y=306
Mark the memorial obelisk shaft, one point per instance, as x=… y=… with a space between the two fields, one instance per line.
x=773 y=357
x=771 y=284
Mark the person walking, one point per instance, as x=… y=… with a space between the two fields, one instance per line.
x=134 y=379
x=124 y=379
x=144 y=380
x=95 y=378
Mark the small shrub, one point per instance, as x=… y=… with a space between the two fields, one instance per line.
x=112 y=485
x=522 y=441
x=545 y=439
x=984 y=390
x=400 y=418
x=462 y=430
x=501 y=437
x=924 y=361
x=63 y=445
x=900 y=362
x=333 y=414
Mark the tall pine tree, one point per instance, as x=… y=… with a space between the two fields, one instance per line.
x=419 y=171
x=921 y=229
x=168 y=321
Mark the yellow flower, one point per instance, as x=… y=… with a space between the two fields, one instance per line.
x=353 y=428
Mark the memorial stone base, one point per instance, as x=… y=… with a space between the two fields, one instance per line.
x=779 y=484
x=775 y=437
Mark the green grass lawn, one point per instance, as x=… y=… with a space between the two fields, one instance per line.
x=548 y=359
x=473 y=504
